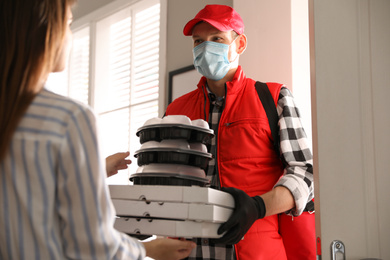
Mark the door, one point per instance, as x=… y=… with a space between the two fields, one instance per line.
x=350 y=85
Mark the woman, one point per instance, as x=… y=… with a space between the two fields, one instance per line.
x=54 y=198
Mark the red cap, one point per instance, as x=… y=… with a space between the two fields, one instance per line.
x=222 y=17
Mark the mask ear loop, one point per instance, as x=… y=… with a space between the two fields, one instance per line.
x=237 y=53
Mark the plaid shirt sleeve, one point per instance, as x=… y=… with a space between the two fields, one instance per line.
x=295 y=153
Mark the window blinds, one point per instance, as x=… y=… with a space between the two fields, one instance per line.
x=132 y=94
x=123 y=85
x=78 y=86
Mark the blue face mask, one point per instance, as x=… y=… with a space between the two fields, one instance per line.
x=211 y=59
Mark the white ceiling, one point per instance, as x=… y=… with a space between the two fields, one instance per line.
x=84 y=7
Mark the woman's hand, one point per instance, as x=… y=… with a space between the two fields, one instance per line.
x=168 y=249
x=117 y=162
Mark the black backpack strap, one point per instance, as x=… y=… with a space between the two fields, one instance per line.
x=270 y=109
x=273 y=118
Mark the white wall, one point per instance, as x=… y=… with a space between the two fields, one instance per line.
x=268 y=28
x=278 y=47
x=301 y=61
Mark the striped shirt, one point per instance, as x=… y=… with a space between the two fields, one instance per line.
x=295 y=152
x=54 y=196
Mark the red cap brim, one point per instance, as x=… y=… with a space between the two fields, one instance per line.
x=187 y=31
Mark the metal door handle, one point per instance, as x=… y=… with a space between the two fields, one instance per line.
x=337 y=247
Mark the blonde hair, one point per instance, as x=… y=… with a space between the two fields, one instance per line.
x=33 y=33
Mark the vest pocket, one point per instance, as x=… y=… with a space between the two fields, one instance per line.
x=245 y=138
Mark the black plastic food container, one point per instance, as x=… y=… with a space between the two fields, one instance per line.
x=175 y=131
x=172 y=156
x=166 y=179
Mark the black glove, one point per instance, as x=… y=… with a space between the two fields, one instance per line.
x=247 y=210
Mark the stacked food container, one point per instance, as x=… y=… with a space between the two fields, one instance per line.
x=169 y=196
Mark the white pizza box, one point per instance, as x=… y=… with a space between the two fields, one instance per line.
x=168 y=228
x=190 y=194
x=172 y=210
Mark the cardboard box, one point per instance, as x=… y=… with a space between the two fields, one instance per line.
x=172 y=210
x=193 y=194
x=168 y=228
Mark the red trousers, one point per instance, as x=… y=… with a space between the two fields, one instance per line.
x=280 y=237
x=299 y=236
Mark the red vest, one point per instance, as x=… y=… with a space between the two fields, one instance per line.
x=245 y=154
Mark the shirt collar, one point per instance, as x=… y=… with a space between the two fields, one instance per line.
x=218 y=101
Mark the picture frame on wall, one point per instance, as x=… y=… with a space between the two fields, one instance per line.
x=182 y=81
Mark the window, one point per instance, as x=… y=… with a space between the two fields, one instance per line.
x=78 y=87
x=114 y=67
